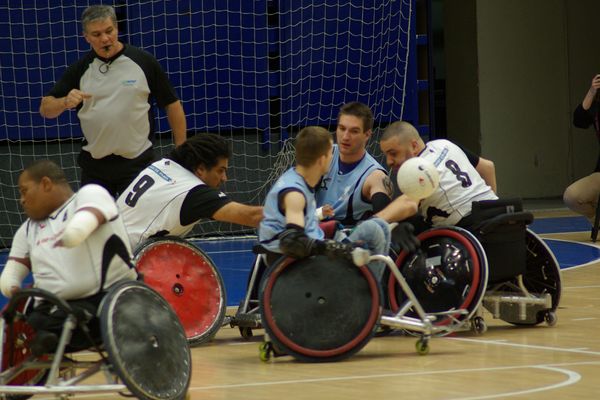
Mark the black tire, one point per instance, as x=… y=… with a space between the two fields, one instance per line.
x=145 y=342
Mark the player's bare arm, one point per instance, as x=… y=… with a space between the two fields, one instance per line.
x=177 y=122
x=293 y=206
x=377 y=182
x=52 y=107
x=398 y=210
x=238 y=213
x=487 y=170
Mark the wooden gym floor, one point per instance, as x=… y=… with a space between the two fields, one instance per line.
x=560 y=362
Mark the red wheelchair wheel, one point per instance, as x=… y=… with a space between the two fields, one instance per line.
x=190 y=282
x=16 y=349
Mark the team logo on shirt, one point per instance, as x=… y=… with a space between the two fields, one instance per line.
x=129 y=82
x=221 y=195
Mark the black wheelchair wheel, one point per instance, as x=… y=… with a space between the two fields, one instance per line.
x=318 y=309
x=449 y=272
x=542 y=276
x=145 y=342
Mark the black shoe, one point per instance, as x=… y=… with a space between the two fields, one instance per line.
x=44 y=342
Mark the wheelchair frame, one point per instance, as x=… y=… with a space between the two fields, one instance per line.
x=62 y=377
x=423 y=322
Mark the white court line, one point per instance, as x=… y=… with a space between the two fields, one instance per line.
x=583 y=319
x=381 y=376
x=554 y=367
x=582 y=287
x=572 y=377
x=527 y=346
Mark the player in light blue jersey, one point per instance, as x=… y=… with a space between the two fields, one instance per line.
x=290 y=225
x=356 y=186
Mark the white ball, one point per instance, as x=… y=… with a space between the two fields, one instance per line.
x=418 y=178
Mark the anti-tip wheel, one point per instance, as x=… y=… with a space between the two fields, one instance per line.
x=479 y=326
x=264 y=351
x=422 y=346
x=246 y=332
x=550 y=318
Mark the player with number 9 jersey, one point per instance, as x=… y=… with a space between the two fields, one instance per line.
x=173 y=194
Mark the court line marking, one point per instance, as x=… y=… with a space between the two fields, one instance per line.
x=582 y=287
x=528 y=346
x=572 y=378
x=554 y=367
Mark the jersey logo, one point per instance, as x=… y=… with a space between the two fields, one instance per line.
x=324 y=183
x=221 y=195
x=129 y=82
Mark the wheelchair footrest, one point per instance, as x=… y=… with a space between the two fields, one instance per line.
x=250 y=320
x=516 y=309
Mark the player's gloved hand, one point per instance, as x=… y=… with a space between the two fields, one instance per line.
x=295 y=243
x=334 y=249
x=403 y=235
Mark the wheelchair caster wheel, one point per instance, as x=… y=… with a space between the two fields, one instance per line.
x=264 y=350
x=422 y=346
x=479 y=325
x=550 y=318
x=246 y=333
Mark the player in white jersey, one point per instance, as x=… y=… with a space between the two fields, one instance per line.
x=173 y=194
x=74 y=244
x=460 y=182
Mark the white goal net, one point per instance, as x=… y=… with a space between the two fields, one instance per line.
x=253 y=71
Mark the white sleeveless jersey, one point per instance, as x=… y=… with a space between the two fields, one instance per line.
x=460 y=184
x=152 y=202
x=103 y=259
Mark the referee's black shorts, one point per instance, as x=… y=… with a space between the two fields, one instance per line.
x=113 y=172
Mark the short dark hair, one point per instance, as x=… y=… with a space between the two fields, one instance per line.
x=97 y=12
x=311 y=143
x=202 y=149
x=358 y=110
x=400 y=129
x=46 y=168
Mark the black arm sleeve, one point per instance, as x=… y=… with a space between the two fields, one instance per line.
x=202 y=201
x=380 y=201
x=71 y=77
x=584 y=118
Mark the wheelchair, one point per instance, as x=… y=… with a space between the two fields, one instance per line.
x=318 y=309
x=190 y=282
x=143 y=350
x=518 y=276
x=247 y=317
